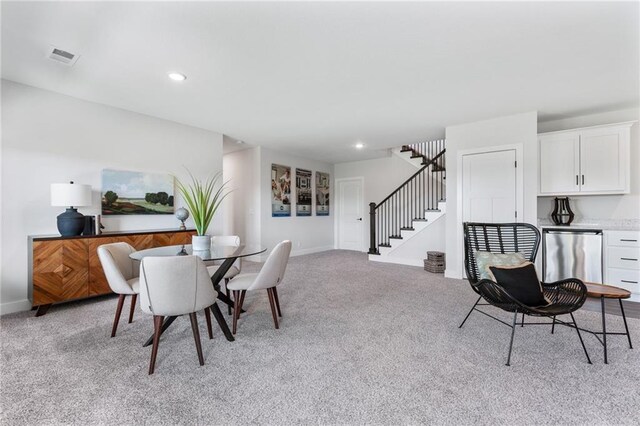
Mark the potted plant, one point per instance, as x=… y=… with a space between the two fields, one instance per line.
x=202 y=200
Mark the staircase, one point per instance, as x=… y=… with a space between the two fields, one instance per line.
x=410 y=220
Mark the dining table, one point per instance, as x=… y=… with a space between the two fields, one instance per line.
x=227 y=254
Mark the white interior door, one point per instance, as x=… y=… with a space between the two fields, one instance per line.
x=489 y=191
x=350 y=214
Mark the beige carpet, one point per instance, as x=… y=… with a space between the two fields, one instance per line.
x=360 y=343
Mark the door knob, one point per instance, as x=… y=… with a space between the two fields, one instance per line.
x=360 y=219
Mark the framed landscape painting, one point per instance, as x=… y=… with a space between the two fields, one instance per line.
x=126 y=192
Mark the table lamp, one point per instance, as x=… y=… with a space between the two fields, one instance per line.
x=70 y=195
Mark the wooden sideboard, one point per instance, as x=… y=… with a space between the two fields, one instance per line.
x=67 y=268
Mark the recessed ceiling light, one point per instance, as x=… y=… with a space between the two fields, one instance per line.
x=240 y=142
x=359 y=145
x=176 y=76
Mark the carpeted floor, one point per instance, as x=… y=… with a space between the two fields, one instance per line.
x=359 y=343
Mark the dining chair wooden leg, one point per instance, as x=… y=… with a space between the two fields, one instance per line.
x=118 y=312
x=207 y=315
x=275 y=297
x=196 y=336
x=226 y=282
x=157 y=330
x=236 y=310
x=134 y=297
x=242 y=293
x=273 y=307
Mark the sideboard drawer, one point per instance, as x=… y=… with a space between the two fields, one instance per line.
x=625 y=278
x=623 y=257
x=623 y=238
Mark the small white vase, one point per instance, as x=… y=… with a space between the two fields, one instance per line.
x=201 y=242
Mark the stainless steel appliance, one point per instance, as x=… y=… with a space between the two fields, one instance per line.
x=572 y=253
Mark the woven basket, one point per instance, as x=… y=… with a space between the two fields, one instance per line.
x=435 y=262
x=435 y=256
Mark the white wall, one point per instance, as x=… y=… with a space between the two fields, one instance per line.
x=381 y=177
x=48 y=137
x=309 y=234
x=510 y=130
x=242 y=207
x=601 y=206
x=249 y=205
x=414 y=251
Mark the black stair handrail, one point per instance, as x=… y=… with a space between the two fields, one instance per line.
x=433 y=161
x=421 y=192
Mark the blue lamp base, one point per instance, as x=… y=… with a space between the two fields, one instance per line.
x=70 y=223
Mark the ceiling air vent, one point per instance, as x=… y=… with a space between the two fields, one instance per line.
x=62 y=56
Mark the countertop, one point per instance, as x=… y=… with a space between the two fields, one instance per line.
x=107 y=234
x=604 y=224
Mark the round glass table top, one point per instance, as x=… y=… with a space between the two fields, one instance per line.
x=216 y=252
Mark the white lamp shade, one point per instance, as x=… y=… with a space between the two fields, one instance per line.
x=70 y=194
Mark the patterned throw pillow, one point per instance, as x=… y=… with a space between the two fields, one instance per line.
x=485 y=259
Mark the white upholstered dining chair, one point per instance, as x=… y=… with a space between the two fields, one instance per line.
x=268 y=278
x=174 y=286
x=122 y=275
x=232 y=241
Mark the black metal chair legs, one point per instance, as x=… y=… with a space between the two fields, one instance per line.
x=513 y=333
x=575 y=325
x=472 y=309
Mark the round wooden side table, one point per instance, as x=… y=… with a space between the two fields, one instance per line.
x=603 y=292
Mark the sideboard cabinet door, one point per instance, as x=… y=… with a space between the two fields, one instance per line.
x=60 y=271
x=97 y=281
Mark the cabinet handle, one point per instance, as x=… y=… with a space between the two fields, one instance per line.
x=629 y=282
x=628 y=258
x=628 y=241
x=583 y=179
x=577 y=183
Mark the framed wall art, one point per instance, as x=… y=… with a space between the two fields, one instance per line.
x=304 y=195
x=323 y=193
x=280 y=190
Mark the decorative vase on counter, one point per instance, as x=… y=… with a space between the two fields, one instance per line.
x=201 y=242
x=562 y=214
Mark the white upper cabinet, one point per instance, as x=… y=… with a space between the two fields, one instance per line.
x=560 y=154
x=603 y=154
x=588 y=161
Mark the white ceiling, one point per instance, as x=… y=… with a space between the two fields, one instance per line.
x=315 y=78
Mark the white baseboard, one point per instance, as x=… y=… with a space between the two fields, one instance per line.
x=396 y=260
x=299 y=252
x=311 y=250
x=449 y=273
x=17 y=306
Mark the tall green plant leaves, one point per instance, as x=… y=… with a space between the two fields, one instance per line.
x=202 y=202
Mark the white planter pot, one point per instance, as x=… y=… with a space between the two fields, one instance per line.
x=201 y=242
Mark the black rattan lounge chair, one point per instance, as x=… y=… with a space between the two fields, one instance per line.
x=566 y=296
